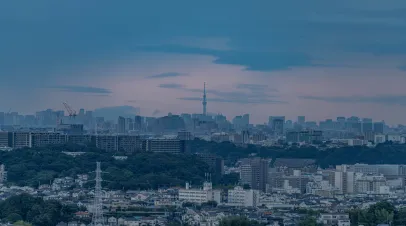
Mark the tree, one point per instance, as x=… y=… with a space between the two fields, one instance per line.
x=27 y=208
x=379 y=213
x=21 y=223
x=14 y=217
x=247 y=186
x=211 y=204
x=238 y=221
x=308 y=221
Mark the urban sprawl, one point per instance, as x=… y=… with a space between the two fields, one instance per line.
x=275 y=189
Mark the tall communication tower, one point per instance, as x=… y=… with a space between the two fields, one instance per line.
x=204 y=99
x=98 y=219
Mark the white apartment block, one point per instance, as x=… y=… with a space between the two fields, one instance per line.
x=341 y=219
x=200 y=196
x=240 y=197
x=378 y=139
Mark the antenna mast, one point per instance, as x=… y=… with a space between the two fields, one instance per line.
x=204 y=99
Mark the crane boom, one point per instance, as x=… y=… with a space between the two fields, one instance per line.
x=72 y=113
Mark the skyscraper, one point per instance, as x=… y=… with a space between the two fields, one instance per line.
x=121 y=125
x=301 y=120
x=204 y=99
x=378 y=127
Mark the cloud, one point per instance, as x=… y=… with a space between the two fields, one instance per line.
x=236 y=100
x=165 y=75
x=253 y=94
x=272 y=35
x=255 y=87
x=251 y=60
x=81 y=89
x=380 y=99
x=171 y=86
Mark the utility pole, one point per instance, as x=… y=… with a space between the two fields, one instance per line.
x=98 y=219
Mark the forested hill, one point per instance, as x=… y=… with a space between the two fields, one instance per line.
x=33 y=166
x=143 y=170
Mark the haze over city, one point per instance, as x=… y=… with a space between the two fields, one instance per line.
x=315 y=58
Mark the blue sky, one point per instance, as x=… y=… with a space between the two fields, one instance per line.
x=316 y=58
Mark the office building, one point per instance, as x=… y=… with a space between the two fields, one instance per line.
x=367 y=126
x=272 y=118
x=246 y=120
x=254 y=172
x=278 y=126
x=138 y=123
x=121 y=122
x=185 y=135
x=245 y=135
x=378 y=127
x=129 y=124
x=301 y=120
x=243 y=198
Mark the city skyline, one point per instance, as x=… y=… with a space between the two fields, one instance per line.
x=312 y=58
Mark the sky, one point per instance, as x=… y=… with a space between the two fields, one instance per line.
x=317 y=58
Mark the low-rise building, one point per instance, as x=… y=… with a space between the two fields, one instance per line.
x=240 y=197
x=200 y=195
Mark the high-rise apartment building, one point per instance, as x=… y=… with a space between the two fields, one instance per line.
x=254 y=172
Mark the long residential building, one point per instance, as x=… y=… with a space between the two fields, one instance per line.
x=173 y=146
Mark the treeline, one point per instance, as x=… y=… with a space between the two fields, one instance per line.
x=26 y=208
x=387 y=153
x=379 y=213
x=34 y=166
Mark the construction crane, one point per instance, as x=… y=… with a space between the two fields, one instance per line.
x=71 y=112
